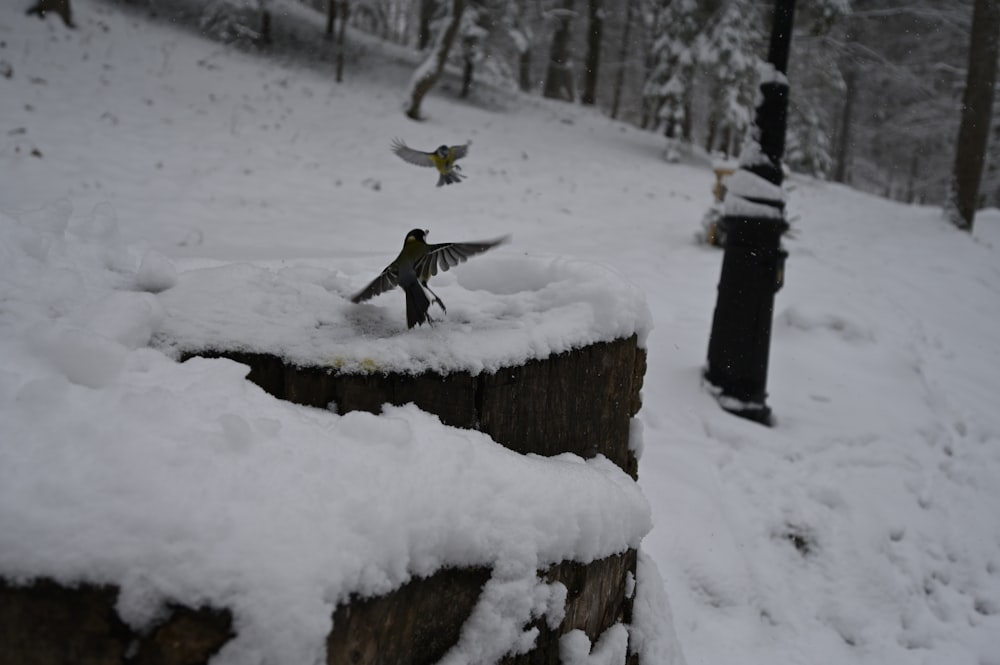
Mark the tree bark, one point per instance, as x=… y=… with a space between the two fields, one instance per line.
x=468 y=68
x=559 y=77
x=429 y=72
x=593 y=58
x=331 y=15
x=687 y=123
x=911 y=183
x=524 y=70
x=840 y=172
x=727 y=141
x=265 y=24
x=345 y=11
x=977 y=109
x=622 y=57
x=427 y=8
x=712 y=128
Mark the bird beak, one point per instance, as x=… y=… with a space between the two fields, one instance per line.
x=427 y=232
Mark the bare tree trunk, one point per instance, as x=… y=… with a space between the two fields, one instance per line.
x=265 y=23
x=714 y=116
x=727 y=141
x=844 y=130
x=592 y=60
x=60 y=7
x=670 y=128
x=687 y=124
x=331 y=15
x=622 y=57
x=468 y=66
x=991 y=174
x=345 y=11
x=427 y=9
x=977 y=109
x=911 y=185
x=524 y=70
x=430 y=70
x=559 y=77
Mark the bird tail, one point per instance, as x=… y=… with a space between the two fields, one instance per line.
x=450 y=177
x=417 y=304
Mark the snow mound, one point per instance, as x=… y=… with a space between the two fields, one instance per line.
x=502 y=311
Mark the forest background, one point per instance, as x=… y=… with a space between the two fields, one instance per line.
x=876 y=85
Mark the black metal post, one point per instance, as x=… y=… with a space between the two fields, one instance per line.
x=753 y=263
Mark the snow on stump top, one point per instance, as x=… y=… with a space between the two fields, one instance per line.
x=544 y=355
x=502 y=312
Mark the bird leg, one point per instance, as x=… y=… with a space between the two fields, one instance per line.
x=436 y=299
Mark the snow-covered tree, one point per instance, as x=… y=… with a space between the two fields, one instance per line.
x=559 y=73
x=674 y=27
x=519 y=30
x=428 y=72
x=908 y=62
x=472 y=34
x=807 y=148
x=729 y=57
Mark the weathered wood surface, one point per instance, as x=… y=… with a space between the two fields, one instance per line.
x=581 y=401
x=415 y=625
x=595 y=601
x=45 y=623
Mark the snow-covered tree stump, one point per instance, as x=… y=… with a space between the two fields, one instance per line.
x=421 y=537
x=580 y=401
x=48 y=624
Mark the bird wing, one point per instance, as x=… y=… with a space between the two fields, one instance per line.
x=387 y=279
x=459 y=151
x=408 y=154
x=450 y=254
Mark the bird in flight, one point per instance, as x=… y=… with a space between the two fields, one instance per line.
x=418 y=262
x=443 y=159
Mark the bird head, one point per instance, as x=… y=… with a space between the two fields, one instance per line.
x=442 y=151
x=417 y=234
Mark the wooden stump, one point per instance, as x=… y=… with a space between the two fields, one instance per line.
x=45 y=623
x=581 y=401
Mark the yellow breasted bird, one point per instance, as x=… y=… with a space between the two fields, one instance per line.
x=443 y=159
x=418 y=262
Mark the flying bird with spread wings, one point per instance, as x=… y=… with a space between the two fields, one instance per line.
x=417 y=263
x=443 y=159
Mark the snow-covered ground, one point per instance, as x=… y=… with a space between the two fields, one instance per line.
x=137 y=159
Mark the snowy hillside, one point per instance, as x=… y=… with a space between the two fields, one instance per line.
x=137 y=157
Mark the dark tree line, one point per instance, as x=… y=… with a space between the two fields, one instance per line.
x=977 y=110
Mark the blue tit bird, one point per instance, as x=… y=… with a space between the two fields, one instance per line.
x=418 y=262
x=443 y=159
